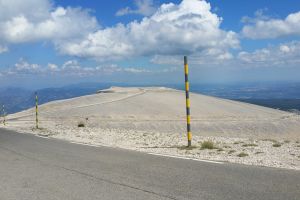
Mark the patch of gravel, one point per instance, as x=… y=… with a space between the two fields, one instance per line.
x=259 y=152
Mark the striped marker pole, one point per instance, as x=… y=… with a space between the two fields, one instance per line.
x=36 y=111
x=188 y=112
x=3 y=111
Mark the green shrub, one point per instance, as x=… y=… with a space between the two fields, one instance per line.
x=81 y=125
x=242 y=154
x=277 y=145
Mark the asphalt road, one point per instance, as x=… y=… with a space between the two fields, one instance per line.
x=37 y=168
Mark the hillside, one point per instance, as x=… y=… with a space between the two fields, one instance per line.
x=163 y=110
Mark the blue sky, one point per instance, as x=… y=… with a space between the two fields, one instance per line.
x=47 y=43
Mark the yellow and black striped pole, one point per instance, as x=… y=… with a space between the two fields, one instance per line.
x=188 y=110
x=3 y=111
x=36 y=111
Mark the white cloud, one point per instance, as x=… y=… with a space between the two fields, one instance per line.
x=71 y=65
x=69 y=68
x=52 y=67
x=3 y=49
x=264 y=27
x=279 y=56
x=144 y=7
x=187 y=28
x=172 y=29
x=32 y=9
x=39 y=20
x=209 y=57
x=283 y=55
x=24 y=66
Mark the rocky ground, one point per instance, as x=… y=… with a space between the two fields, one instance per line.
x=154 y=120
x=262 y=152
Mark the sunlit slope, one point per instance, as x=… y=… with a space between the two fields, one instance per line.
x=163 y=110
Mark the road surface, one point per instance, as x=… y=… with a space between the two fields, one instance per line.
x=34 y=168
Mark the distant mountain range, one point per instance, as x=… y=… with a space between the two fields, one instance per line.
x=17 y=99
x=285 y=96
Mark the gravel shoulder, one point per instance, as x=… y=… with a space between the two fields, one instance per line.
x=261 y=152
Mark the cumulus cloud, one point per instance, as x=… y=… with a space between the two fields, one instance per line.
x=32 y=9
x=263 y=27
x=52 y=67
x=209 y=57
x=173 y=29
x=39 y=20
x=283 y=55
x=144 y=7
x=69 y=68
x=22 y=67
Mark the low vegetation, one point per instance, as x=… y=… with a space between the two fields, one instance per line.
x=186 y=147
x=243 y=154
x=231 y=151
x=81 y=125
x=238 y=142
x=259 y=152
x=271 y=140
x=277 y=145
x=207 y=145
x=249 y=145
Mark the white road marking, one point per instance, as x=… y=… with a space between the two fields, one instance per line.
x=185 y=158
x=155 y=154
x=90 y=145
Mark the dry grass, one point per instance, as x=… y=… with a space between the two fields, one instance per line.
x=208 y=145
